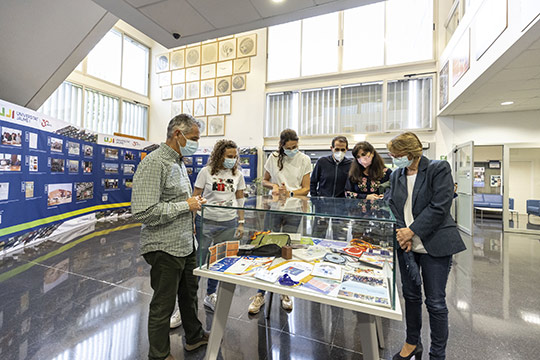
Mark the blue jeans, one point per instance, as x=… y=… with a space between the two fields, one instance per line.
x=214 y=232
x=434 y=271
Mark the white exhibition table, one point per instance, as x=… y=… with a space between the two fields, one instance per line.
x=367 y=314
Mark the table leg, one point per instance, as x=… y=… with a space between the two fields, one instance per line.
x=368 y=336
x=221 y=313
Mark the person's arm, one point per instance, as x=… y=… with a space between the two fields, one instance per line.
x=146 y=203
x=433 y=215
x=267 y=184
x=197 y=191
x=314 y=183
x=304 y=190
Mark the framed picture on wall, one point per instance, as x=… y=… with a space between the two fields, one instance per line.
x=177 y=59
x=178 y=76
x=495 y=180
x=198 y=107
x=223 y=86
x=193 y=56
x=179 y=92
x=192 y=90
x=241 y=66
x=224 y=68
x=211 y=106
x=224 y=105
x=247 y=45
x=176 y=108
x=209 y=53
x=443 y=86
x=187 y=107
x=494 y=164
x=166 y=93
x=461 y=58
x=193 y=73
x=162 y=62
x=216 y=125
x=208 y=88
x=203 y=124
x=208 y=71
x=164 y=79
x=239 y=82
x=227 y=49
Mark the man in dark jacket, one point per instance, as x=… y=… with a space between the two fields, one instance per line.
x=328 y=179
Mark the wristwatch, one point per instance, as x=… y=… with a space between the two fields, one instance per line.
x=292 y=193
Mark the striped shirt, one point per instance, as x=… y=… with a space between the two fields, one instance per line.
x=160 y=189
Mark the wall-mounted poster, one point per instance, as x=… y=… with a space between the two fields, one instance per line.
x=216 y=125
x=461 y=60
x=209 y=53
x=87 y=167
x=57 y=165
x=247 y=45
x=211 y=106
x=227 y=49
x=179 y=92
x=198 y=107
x=74 y=148
x=241 y=66
x=193 y=73
x=11 y=136
x=73 y=166
x=164 y=79
x=178 y=76
x=111 y=153
x=192 y=90
x=479 y=177
x=177 y=59
x=203 y=125
x=176 y=108
x=10 y=162
x=239 y=82
x=208 y=71
x=59 y=194
x=224 y=105
x=495 y=181
x=443 y=86
x=166 y=93
x=193 y=56
x=57 y=145
x=162 y=62
x=490 y=22
x=88 y=150
x=187 y=107
x=85 y=190
x=224 y=68
x=208 y=88
x=223 y=86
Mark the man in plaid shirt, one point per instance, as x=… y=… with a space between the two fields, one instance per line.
x=162 y=202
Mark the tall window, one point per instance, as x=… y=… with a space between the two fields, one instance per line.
x=134 y=119
x=65 y=104
x=362 y=108
x=385 y=33
x=319 y=111
x=409 y=104
x=101 y=112
x=281 y=113
x=120 y=60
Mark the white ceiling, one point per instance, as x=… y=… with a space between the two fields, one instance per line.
x=515 y=76
x=198 y=20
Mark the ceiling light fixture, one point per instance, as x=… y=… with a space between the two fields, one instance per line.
x=278 y=1
x=507 y=103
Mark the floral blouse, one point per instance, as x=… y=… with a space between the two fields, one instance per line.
x=365 y=187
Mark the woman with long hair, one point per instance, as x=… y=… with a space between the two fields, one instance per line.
x=367 y=173
x=287 y=174
x=421 y=195
x=220 y=180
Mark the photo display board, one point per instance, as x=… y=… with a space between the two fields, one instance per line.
x=51 y=171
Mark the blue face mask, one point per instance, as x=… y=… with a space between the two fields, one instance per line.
x=190 y=148
x=291 y=153
x=402 y=162
x=229 y=163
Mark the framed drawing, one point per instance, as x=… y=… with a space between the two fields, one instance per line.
x=461 y=60
x=227 y=49
x=187 y=107
x=241 y=66
x=216 y=125
x=176 y=108
x=203 y=125
x=193 y=56
x=164 y=79
x=208 y=88
x=223 y=86
x=224 y=68
x=179 y=92
x=209 y=53
x=247 y=45
x=198 y=107
x=179 y=76
x=193 y=73
x=443 y=86
x=166 y=92
x=162 y=63
x=224 y=105
x=489 y=24
x=208 y=71
x=192 y=90
x=177 y=59
x=239 y=82
x=211 y=106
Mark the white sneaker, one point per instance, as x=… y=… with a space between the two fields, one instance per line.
x=210 y=301
x=286 y=302
x=256 y=303
x=176 y=320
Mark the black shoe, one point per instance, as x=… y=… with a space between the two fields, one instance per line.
x=417 y=353
x=197 y=344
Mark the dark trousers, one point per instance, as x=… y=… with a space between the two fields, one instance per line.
x=434 y=272
x=211 y=233
x=171 y=276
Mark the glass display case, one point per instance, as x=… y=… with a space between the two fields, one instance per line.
x=337 y=247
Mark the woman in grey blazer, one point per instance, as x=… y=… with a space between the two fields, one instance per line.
x=421 y=195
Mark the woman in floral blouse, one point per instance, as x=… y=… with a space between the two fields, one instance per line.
x=367 y=173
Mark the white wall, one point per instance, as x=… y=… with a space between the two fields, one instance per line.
x=244 y=125
x=524 y=176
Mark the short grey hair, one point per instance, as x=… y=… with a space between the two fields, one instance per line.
x=182 y=122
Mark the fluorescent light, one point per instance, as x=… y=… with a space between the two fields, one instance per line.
x=359 y=137
x=507 y=103
x=462 y=305
x=278 y=1
x=530 y=317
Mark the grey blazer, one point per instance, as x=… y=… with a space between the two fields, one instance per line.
x=432 y=197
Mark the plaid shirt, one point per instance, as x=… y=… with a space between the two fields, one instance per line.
x=160 y=189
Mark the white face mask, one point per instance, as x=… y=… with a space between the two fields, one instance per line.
x=339 y=155
x=190 y=148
